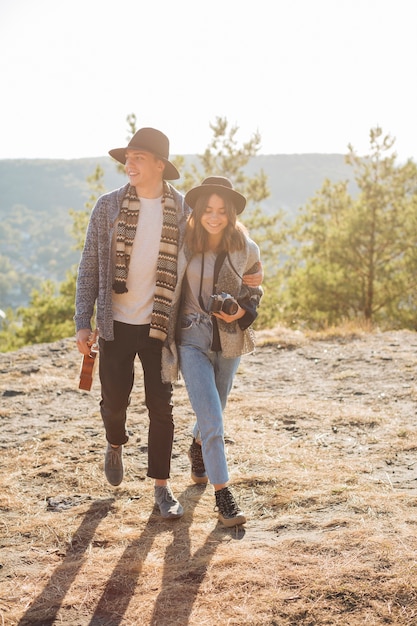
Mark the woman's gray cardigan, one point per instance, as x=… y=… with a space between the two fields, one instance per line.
x=234 y=341
x=96 y=269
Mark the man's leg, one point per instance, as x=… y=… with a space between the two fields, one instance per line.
x=158 y=398
x=116 y=368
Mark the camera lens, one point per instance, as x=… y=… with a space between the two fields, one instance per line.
x=230 y=306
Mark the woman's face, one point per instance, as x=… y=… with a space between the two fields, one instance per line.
x=214 y=219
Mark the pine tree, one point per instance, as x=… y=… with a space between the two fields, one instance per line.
x=355 y=256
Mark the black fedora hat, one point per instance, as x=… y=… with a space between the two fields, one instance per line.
x=220 y=185
x=149 y=140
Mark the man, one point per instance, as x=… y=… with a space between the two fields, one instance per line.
x=128 y=270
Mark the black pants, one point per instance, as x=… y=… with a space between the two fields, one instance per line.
x=116 y=367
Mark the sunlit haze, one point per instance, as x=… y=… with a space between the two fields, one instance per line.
x=311 y=76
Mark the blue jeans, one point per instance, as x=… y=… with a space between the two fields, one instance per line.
x=208 y=377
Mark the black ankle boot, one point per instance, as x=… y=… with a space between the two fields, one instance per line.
x=227 y=508
x=198 y=470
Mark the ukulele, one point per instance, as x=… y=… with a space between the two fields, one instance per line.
x=88 y=363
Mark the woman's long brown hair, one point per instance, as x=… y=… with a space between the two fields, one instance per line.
x=196 y=237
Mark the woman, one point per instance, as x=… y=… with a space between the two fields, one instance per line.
x=215 y=310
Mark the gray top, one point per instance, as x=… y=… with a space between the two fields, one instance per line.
x=236 y=337
x=192 y=283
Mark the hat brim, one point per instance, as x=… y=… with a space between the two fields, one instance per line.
x=238 y=200
x=170 y=171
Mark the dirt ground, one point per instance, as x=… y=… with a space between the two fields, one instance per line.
x=321 y=439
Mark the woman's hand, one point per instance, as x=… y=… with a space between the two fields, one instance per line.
x=230 y=318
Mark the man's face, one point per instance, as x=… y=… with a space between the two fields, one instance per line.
x=143 y=168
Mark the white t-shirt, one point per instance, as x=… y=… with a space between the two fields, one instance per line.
x=135 y=306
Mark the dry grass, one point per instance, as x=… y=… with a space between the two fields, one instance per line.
x=321 y=461
x=349 y=329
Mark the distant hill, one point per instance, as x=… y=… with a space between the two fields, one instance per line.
x=51 y=185
x=36 y=196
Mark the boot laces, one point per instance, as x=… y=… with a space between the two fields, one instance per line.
x=225 y=503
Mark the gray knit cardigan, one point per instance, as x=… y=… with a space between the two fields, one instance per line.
x=96 y=269
x=234 y=340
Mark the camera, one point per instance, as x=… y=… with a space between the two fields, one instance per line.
x=223 y=302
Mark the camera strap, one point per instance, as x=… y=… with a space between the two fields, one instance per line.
x=200 y=297
x=215 y=344
x=217 y=265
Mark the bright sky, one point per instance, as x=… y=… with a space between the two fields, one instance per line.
x=309 y=75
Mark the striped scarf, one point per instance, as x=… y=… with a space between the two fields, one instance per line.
x=166 y=271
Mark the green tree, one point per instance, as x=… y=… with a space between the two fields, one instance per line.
x=131 y=130
x=356 y=257
x=49 y=315
x=80 y=218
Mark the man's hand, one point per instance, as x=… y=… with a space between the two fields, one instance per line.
x=85 y=339
x=254 y=280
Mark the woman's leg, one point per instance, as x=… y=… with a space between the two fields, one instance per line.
x=198 y=372
x=224 y=371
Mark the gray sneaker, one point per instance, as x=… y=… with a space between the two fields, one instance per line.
x=167 y=503
x=113 y=465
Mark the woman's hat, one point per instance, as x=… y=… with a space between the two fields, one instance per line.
x=149 y=140
x=220 y=185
